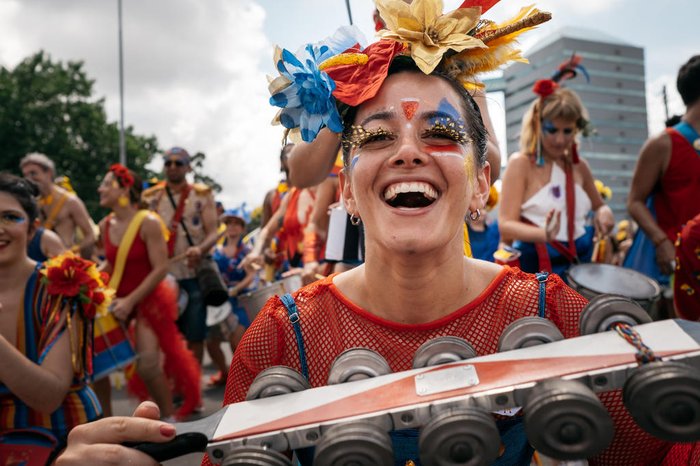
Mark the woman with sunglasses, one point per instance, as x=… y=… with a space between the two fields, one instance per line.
x=43 y=368
x=135 y=248
x=548 y=190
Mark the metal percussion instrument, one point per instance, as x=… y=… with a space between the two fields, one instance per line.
x=276 y=380
x=466 y=436
x=565 y=420
x=664 y=399
x=604 y=311
x=357 y=364
x=442 y=350
x=354 y=444
x=528 y=331
x=594 y=279
x=256 y=456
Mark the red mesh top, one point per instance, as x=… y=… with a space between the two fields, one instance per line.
x=331 y=324
x=137 y=267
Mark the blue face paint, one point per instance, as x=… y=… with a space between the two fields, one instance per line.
x=11 y=218
x=548 y=127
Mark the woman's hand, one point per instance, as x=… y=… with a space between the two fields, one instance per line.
x=100 y=442
x=666 y=256
x=552 y=224
x=253 y=259
x=122 y=307
x=604 y=220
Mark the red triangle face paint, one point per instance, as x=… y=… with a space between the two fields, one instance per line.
x=409 y=108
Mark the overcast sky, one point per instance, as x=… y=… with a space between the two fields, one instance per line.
x=195 y=69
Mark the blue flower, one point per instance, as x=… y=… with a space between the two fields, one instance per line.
x=307 y=102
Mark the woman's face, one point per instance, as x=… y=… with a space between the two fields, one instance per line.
x=412 y=175
x=109 y=191
x=15 y=230
x=557 y=137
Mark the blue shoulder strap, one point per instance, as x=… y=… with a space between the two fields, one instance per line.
x=689 y=133
x=541 y=305
x=291 y=307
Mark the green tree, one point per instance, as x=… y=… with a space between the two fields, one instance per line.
x=48 y=107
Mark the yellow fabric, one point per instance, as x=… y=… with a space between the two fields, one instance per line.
x=48 y=224
x=124 y=247
x=467 y=245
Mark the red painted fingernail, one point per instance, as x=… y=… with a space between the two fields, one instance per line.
x=167 y=430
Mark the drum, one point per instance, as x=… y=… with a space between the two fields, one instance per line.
x=595 y=279
x=112 y=349
x=255 y=300
x=221 y=320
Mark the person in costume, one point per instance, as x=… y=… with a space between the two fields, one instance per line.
x=666 y=181
x=414 y=162
x=228 y=257
x=548 y=190
x=44 y=244
x=190 y=213
x=686 y=283
x=44 y=336
x=60 y=209
x=135 y=246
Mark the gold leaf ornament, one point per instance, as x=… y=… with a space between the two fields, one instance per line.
x=427 y=31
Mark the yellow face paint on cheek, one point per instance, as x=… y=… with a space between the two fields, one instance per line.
x=470 y=170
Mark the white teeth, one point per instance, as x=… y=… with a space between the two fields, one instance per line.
x=415 y=187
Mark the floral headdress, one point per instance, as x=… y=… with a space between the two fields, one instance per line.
x=122 y=174
x=340 y=72
x=76 y=283
x=543 y=88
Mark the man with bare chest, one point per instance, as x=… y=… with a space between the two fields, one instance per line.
x=60 y=210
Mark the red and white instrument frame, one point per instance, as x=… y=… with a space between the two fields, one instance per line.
x=409 y=399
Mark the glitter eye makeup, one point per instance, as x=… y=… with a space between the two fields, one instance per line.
x=11 y=218
x=358 y=136
x=549 y=128
x=446 y=127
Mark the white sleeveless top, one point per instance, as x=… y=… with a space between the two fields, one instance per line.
x=553 y=196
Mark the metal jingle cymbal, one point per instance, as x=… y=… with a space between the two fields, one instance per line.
x=565 y=420
x=255 y=456
x=354 y=444
x=663 y=397
x=603 y=311
x=528 y=331
x=442 y=350
x=357 y=364
x=276 y=380
x=460 y=437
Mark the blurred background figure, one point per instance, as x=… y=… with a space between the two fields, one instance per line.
x=484 y=236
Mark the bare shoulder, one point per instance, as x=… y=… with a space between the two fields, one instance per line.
x=519 y=160
x=657 y=146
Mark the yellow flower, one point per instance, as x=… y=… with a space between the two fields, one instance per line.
x=428 y=32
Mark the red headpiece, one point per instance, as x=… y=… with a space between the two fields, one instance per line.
x=122 y=174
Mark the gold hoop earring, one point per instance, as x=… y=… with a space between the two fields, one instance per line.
x=123 y=201
x=355 y=220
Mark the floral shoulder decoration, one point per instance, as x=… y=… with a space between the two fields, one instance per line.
x=340 y=72
x=74 y=282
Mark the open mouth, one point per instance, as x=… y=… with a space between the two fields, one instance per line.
x=412 y=195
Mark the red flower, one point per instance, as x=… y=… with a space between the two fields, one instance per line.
x=544 y=87
x=123 y=175
x=68 y=278
x=358 y=83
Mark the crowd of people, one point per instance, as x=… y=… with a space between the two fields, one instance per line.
x=406 y=151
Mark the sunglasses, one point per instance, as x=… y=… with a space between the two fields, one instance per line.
x=177 y=163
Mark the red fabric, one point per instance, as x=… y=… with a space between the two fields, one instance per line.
x=676 y=201
x=159 y=309
x=331 y=323
x=686 y=283
x=358 y=83
x=136 y=268
x=292 y=234
x=177 y=216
